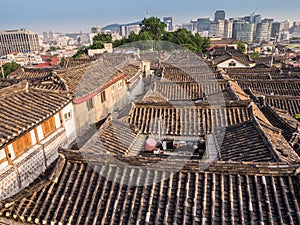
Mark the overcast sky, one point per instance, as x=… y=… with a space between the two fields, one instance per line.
x=79 y=15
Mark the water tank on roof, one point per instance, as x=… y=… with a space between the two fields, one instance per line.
x=150 y=144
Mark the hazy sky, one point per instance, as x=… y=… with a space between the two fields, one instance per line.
x=80 y=15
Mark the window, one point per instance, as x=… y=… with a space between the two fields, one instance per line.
x=49 y=126
x=89 y=104
x=232 y=64
x=22 y=144
x=103 y=98
x=68 y=116
x=113 y=88
x=119 y=84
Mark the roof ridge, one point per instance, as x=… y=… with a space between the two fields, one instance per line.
x=14 y=89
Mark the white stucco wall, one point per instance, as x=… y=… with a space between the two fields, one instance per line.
x=57 y=120
x=3 y=156
x=40 y=132
x=33 y=138
x=225 y=64
x=69 y=123
x=11 y=151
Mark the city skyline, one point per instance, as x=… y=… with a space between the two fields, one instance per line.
x=75 y=16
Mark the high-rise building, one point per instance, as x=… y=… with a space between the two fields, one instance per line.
x=194 y=23
x=285 y=26
x=243 y=30
x=169 y=22
x=203 y=24
x=126 y=30
x=237 y=28
x=263 y=31
x=95 y=30
x=217 y=29
x=228 y=27
x=255 y=19
x=18 y=41
x=246 y=33
x=219 y=15
x=188 y=26
x=275 y=29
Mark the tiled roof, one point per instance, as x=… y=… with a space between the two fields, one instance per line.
x=189 y=90
x=283 y=122
x=242 y=142
x=114 y=138
x=33 y=73
x=239 y=57
x=253 y=73
x=72 y=77
x=184 y=118
x=77 y=192
x=273 y=87
x=22 y=108
x=288 y=103
x=73 y=63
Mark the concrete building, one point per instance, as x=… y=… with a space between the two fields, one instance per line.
x=18 y=41
x=126 y=30
x=203 y=24
x=263 y=31
x=217 y=28
x=228 y=27
x=95 y=30
x=169 y=22
x=246 y=33
x=194 y=23
x=188 y=26
x=275 y=29
x=219 y=15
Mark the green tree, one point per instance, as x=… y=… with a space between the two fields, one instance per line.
x=154 y=27
x=187 y=39
x=100 y=39
x=8 y=68
x=254 y=55
x=241 y=47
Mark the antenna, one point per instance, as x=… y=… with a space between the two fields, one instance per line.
x=147 y=6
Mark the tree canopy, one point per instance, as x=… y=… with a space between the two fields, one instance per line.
x=8 y=68
x=153 y=29
x=241 y=47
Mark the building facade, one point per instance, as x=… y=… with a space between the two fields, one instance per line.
x=219 y=15
x=263 y=31
x=18 y=41
x=169 y=22
x=203 y=24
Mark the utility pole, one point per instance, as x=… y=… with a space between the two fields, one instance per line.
x=274 y=49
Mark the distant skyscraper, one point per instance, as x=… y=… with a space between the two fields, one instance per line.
x=219 y=15
x=188 y=26
x=255 y=19
x=203 y=24
x=126 y=30
x=169 y=22
x=243 y=30
x=228 y=27
x=217 y=28
x=194 y=23
x=275 y=29
x=95 y=30
x=263 y=31
x=285 y=26
x=18 y=41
